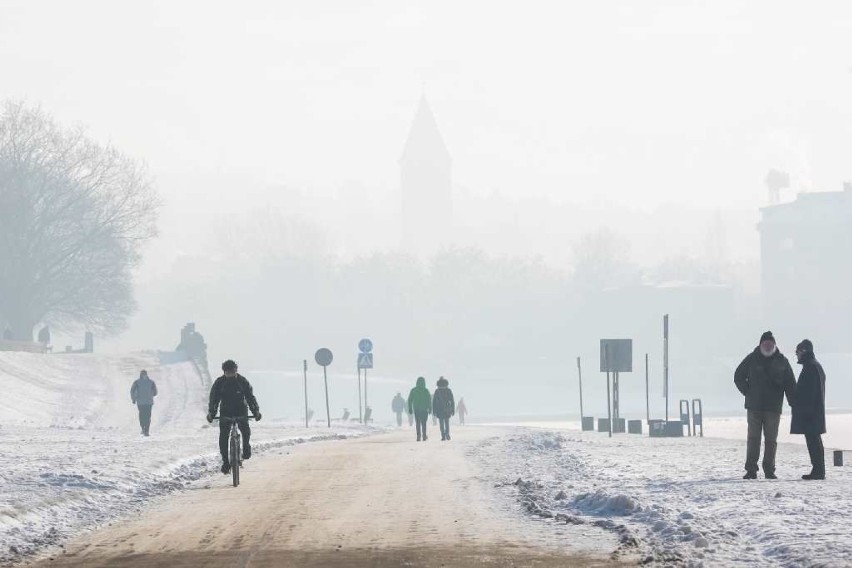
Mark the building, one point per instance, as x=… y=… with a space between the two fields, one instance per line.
x=806 y=273
x=426 y=185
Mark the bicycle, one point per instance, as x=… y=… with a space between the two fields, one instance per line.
x=235 y=456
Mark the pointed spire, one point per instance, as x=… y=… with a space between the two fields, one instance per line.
x=424 y=143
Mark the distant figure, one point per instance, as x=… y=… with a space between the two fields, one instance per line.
x=398 y=407
x=142 y=394
x=763 y=377
x=310 y=414
x=461 y=410
x=809 y=408
x=444 y=406
x=44 y=336
x=420 y=404
x=7 y=334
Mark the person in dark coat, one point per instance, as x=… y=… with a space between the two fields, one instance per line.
x=142 y=394
x=420 y=405
x=234 y=393
x=444 y=407
x=398 y=407
x=763 y=378
x=809 y=407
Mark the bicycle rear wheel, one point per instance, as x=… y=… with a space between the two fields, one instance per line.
x=235 y=459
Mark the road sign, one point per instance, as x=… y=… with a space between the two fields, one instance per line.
x=365 y=360
x=324 y=357
x=616 y=355
x=365 y=346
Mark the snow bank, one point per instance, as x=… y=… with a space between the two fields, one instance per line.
x=677 y=501
x=79 y=457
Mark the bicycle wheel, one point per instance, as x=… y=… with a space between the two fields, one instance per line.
x=235 y=459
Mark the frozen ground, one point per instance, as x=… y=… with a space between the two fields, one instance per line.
x=73 y=455
x=677 y=501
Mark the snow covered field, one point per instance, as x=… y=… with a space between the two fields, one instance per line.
x=73 y=454
x=678 y=501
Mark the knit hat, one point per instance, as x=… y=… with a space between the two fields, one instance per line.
x=442 y=382
x=767 y=336
x=805 y=346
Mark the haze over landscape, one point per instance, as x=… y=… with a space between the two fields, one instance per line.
x=637 y=134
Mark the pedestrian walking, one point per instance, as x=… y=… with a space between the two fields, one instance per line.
x=444 y=406
x=398 y=407
x=461 y=410
x=142 y=394
x=420 y=405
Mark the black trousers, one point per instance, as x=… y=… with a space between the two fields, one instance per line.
x=421 y=417
x=145 y=417
x=817 y=452
x=445 y=427
x=225 y=433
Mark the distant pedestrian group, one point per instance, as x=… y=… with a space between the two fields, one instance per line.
x=440 y=404
x=764 y=378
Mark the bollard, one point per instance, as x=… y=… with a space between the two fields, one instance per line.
x=684 y=416
x=697 y=417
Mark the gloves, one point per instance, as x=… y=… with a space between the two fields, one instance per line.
x=257 y=415
x=209 y=418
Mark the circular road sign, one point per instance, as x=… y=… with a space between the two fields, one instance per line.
x=324 y=357
x=365 y=345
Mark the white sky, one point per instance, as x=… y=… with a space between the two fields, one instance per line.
x=643 y=103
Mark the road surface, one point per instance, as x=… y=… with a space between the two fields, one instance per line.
x=382 y=500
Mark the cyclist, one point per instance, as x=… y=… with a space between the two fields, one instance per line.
x=234 y=393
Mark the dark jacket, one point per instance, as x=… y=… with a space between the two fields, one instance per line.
x=398 y=404
x=235 y=395
x=764 y=381
x=143 y=391
x=809 y=404
x=443 y=403
x=420 y=399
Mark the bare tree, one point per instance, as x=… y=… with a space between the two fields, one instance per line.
x=601 y=260
x=73 y=216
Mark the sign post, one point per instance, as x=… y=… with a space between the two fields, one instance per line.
x=324 y=357
x=580 y=375
x=666 y=362
x=616 y=358
x=647 y=391
x=365 y=361
x=306 y=393
x=360 y=409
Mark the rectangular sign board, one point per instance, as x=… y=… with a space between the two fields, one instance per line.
x=616 y=355
x=365 y=360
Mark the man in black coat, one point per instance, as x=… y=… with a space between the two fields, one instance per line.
x=234 y=393
x=809 y=407
x=763 y=378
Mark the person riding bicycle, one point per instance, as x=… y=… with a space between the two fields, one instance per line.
x=234 y=393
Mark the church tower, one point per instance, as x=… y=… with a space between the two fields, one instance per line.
x=426 y=182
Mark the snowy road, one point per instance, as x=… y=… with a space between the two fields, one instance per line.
x=383 y=500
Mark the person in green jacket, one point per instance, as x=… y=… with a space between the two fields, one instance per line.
x=420 y=404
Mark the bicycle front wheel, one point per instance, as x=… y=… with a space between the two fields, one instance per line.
x=235 y=460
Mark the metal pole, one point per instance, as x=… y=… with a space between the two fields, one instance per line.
x=608 y=407
x=580 y=375
x=306 y=393
x=608 y=401
x=327 y=409
x=647 y=391
x=360 y=413
x=666 y=361
x=366 y=404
